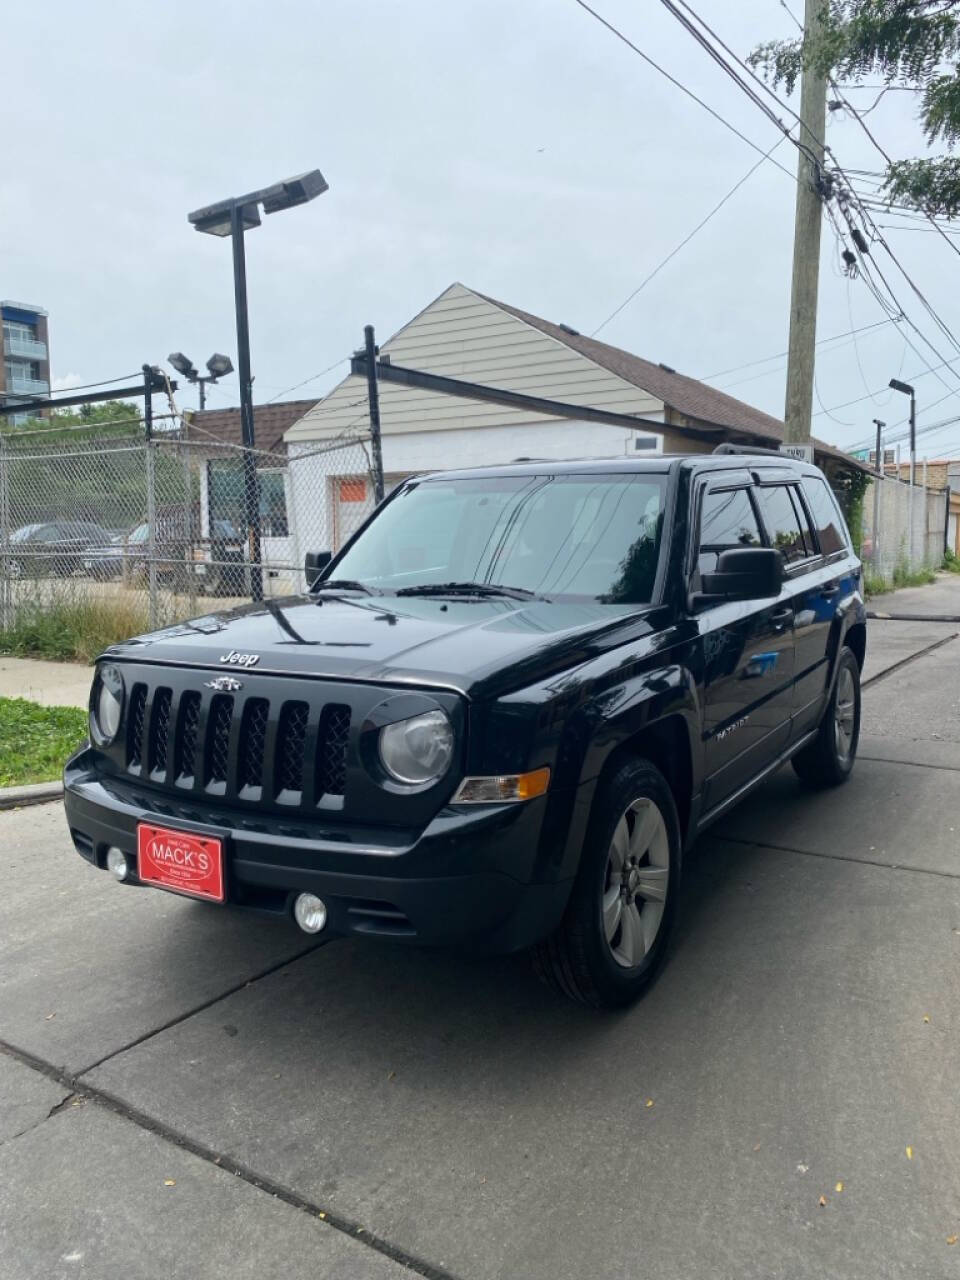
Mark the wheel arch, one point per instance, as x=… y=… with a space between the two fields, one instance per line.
x=666 y=744
x=855 y=639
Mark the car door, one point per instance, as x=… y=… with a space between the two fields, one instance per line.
x=787 y=527
x=748 y=650
x=820 y=589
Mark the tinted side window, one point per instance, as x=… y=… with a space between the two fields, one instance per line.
x=825 y=515
x=727 y=521
x=780 y=519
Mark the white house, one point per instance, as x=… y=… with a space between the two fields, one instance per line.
x=468 y=336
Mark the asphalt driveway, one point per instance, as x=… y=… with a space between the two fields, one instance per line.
x=185 y=1092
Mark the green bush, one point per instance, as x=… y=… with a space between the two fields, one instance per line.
x=951 y=562
x=72 y=630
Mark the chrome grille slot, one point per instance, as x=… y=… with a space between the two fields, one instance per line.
x=185 y=747
x=253 y=740
x=291 y=742
x=159 y=731
x=135 y=717
x=218 y=740
x=332 y=750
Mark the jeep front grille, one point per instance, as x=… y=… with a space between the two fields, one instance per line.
x=287 y=751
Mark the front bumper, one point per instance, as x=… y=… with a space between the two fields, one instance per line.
x=379 y=881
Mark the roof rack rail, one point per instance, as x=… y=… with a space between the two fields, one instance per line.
x=747 y=448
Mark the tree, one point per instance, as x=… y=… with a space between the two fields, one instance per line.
x=76 y=422
x=910 y=44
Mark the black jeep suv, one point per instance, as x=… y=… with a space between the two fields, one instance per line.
x=499 y=715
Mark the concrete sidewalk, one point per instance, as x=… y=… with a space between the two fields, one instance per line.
x=184 y=1091
x=54 y=684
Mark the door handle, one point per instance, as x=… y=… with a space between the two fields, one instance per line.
x=829 y=590
x=781 y=619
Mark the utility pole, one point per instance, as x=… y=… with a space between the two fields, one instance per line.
x=806 y=243
x=370 y=351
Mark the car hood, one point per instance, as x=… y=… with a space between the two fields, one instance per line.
x=477 y=647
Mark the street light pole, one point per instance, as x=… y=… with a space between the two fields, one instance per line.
x=906 y=389
x=232 y=218
x=876 y=497
x=251 y=494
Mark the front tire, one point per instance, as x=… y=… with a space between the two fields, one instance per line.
x=828 y=760
x=613 y=937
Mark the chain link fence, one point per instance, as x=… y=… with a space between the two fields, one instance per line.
x=904 y=528
x=143 y=533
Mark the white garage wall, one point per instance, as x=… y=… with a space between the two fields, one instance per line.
x=316 y=525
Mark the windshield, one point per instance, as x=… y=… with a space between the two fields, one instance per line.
x=28 y=530
x=561 y=536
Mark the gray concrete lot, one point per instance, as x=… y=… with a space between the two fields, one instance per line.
x=449 y=1116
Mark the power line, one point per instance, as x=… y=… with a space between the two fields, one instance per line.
x=682 y=87
x=686 y=240
x=886 y=155
x=313 y=377
x=27 y=396
x=738 y=79
x=922 y=373
x=781 y=355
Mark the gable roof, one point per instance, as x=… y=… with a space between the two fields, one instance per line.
x=686 y=395
x=223 y=426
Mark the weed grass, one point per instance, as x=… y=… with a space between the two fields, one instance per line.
x=35 y=741
x=874 y=585
x=72 y=630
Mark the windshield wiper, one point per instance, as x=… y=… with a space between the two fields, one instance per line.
x=468 y=589
x=344 y=584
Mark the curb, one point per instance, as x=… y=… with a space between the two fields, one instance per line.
x=32 y=793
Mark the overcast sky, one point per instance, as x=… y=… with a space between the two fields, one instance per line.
x=514 y=145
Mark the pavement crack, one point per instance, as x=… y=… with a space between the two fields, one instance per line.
x=911 y=657
x=838 y=857
x=910 y=764
x=199 y=1008
x=57 y=1107
x=220 y=1160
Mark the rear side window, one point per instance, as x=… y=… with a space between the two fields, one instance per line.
x=780 y=518
x=826 y=517
x=727 y=521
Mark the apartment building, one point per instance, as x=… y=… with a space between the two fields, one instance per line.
x=25 y=372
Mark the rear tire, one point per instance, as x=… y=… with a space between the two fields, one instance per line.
x=613 y=937
x=828 y=760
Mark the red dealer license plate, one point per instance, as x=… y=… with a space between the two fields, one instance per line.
x=177 y=860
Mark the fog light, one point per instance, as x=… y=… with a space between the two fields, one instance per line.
x=310 y=912
x=117 y=863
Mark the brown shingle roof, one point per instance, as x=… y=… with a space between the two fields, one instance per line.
x=270 y=423
x=686 y=395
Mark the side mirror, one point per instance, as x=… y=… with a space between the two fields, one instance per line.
x=746 y=573
x=314 y=563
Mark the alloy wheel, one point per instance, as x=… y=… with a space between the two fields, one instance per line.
x=636 y=882
x=845 y=711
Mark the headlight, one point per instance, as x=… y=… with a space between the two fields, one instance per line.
x=106 y=710
x=417 y=750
